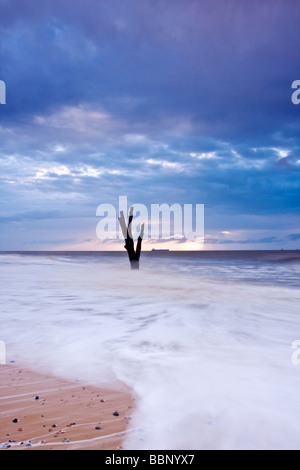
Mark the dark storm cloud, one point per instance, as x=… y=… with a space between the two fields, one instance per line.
x=227 y=65
x=182 y=101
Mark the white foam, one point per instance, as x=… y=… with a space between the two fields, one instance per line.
x=210 y=361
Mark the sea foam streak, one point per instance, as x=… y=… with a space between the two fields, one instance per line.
x=208 y=356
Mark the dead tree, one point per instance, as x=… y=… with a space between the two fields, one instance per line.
x=134 y=255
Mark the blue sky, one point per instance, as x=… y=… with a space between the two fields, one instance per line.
x=176 y=101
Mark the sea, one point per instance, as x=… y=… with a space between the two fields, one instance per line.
x=207 y=341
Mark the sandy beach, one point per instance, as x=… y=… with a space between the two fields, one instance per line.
x=47 y=413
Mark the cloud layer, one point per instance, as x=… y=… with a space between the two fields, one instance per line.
x=174 y=102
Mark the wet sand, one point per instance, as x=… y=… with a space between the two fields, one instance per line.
x=54 y=414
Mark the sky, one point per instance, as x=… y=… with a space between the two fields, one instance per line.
x=164 y=102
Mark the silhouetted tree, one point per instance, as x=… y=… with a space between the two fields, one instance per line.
x=134 y=255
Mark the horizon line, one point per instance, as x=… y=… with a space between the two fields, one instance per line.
x=145 y=251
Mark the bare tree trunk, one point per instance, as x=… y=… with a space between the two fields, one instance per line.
x=134 y=255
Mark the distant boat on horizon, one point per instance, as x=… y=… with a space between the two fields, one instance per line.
x=161 y=250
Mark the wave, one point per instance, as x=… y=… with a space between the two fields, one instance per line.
x=209 y=358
